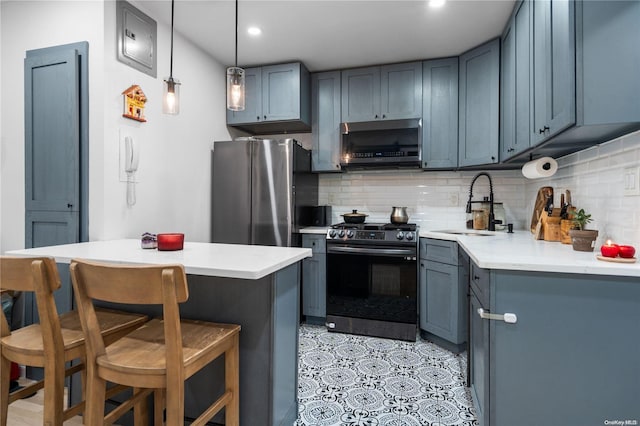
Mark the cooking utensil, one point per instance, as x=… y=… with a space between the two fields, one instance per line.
x=354 y=217
x=399 y=215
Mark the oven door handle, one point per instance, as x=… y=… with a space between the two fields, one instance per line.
x=376 y=252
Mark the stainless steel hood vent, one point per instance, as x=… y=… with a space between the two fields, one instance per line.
x=381 y=144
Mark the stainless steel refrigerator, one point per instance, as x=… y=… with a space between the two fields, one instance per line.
x=260 y=188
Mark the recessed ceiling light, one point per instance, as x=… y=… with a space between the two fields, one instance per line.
x=437 y=3
x=254 y=31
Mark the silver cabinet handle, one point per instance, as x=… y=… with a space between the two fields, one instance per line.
x=507 y=317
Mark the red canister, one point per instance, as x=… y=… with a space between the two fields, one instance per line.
x=170 y=242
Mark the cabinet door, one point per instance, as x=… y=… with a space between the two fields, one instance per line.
x=479 y=105
x=479 y=362
x=401 y=91
x=508 y=92
x=554 y=69
x=253 y=99
x=439 y=300
x=281 y=92
x=314 y=289
x=440 y=114
x=325 y=122
x=361 y=94
x=515 y=82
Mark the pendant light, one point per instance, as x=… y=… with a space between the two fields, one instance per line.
x=235 y=80
x=171 y=95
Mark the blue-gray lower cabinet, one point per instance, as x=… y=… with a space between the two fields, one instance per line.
x=479 y=103
x=440 y=114
x=314 y=279
x=443 y=294
x=573 y=349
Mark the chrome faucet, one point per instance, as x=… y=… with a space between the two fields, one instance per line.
x=492 y=217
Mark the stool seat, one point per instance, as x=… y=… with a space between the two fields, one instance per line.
x=27 y=341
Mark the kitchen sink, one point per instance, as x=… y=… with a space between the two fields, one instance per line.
x=467 y=233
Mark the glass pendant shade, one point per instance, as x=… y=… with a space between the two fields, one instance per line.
x=171 y=96
x=235 y=89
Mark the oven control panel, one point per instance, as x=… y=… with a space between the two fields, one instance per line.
x=371 y=235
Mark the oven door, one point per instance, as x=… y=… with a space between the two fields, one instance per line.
x=372 y=283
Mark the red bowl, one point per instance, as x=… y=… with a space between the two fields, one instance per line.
x=169 y=242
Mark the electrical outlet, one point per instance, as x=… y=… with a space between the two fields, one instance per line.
x=631 y=181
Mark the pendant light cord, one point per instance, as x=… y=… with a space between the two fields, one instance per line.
x=171 y=63
x=236 y=33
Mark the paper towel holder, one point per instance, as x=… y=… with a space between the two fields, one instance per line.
x=548 y=164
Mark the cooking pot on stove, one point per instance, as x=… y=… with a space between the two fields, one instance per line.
x=354 y=217
x=399 y=215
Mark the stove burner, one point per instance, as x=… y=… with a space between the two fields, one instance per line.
x=376 y=226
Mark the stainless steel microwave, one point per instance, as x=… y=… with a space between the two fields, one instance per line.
x=380 y=144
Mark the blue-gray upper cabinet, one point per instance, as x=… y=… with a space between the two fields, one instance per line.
x=440 y=114
x=252 y=99
x=554 y=84
x=479 y=103
x=584 y=74
x=387 y=92
x=277 y=99
x=515 y=77
x=325 y=121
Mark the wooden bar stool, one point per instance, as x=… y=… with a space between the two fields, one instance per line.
x=53 y=342
x=160 y=355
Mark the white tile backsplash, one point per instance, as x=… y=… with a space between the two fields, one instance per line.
x=434 y=200
x=595 y=178
x=437 y=200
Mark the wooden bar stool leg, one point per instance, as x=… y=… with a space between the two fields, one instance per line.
x=232 y=383
x=53 y=393
x=158 y=407
x=140 y=410
x=96 y=394
x=175 y=405
x=5 y=377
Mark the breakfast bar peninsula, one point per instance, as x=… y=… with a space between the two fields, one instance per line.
x=257 y=287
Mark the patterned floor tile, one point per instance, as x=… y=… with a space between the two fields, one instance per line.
x=366 y=381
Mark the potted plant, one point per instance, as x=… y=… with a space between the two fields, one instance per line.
x=582 y=239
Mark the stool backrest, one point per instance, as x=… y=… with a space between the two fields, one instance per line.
x=40 y=276
x=130 y=284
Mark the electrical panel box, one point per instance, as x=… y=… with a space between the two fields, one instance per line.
x=137 y=38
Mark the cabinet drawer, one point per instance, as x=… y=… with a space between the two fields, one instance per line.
x=442 y=251
x=480 y=280
x=317 y=243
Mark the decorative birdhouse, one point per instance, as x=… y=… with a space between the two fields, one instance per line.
x=134 y=100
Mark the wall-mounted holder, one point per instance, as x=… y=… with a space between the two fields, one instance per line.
x=134 y=100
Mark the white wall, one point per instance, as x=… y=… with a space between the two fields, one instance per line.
x=174 y=174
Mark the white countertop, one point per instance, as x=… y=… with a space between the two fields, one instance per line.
x=519 y=251
x=217 y=260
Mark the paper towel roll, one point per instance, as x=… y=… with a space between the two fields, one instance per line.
x=540 y=168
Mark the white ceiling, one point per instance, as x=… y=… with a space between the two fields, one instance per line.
x=333 y=34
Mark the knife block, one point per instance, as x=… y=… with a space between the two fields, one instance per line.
x=565 y=226
x=551 y=228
